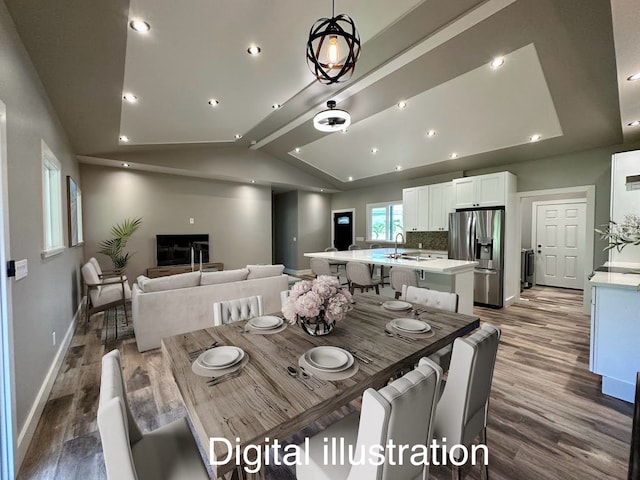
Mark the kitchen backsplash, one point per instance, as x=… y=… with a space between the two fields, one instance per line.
x=429 y=240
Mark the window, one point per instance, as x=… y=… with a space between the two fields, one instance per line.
x=384 y=221
x=52 y=241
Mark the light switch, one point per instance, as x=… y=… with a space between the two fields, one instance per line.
x=21 y=269
x=192 y=221
x=295 y=239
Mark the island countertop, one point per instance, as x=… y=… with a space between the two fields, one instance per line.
x=617 y=278
x=379 y=256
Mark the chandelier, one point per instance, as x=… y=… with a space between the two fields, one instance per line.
x=333 y=48
x=332 y=120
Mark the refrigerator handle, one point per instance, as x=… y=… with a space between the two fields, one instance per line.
x=472 y=238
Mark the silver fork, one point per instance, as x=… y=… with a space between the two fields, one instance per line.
x=389 y=333
x=223 y=378
x=196 y=353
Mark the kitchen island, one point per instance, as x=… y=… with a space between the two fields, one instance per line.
x=615 y=328
x=440 y=274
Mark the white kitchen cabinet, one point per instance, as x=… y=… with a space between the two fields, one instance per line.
x=481 y=191
x=440 y=205
x=415 y=210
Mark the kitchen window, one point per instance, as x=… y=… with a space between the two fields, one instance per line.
x=384 y=221
x=52 y=241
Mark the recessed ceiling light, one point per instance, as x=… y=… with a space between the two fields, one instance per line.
x=322 y=189
x=238 y=136
x=535 y=137
x=398 y=168
x=634 y=77
x=431 y=133
x=253 y=181
x=213 y=102
x=635 y=123
x=374 y=150
x=350 y=179
x=130 y=97
x=297 y=150
x=140 y=26
x=276 y=106
x=253 y=142
x=124 y=138
x=254 y=50
x=402 y=105
x=344 y=130
x=497 y=62
x=125 y=165
x=453 y=155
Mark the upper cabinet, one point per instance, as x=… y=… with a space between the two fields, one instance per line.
x=427 y=208
x=481 y=191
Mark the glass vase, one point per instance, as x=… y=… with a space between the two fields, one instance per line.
x=316 y=326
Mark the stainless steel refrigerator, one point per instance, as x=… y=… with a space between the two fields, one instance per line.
x=479 y=235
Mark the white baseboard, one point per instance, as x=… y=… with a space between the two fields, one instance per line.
x=289 y=271
x=26 y=434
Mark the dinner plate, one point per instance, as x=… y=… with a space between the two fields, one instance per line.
x=410 y=325
x=221 y=357
x=267 y=322
x=396 y=305
x=329 y=359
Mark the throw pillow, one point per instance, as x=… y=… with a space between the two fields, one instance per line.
x=262 y=271
x=224 y=276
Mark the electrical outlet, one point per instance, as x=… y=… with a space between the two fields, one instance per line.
x=54 y=339
x=420 y=245
x=295 y=239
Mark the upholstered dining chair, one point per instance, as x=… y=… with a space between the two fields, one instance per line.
x=103 y=294
x=399 y=276
x=436 y=299
x=359 y=276
x=461 y=414
x=321 y=266
x=402 y=411
x=229 y=311
x=336 y=263
x=353 y=246
x=169 y=452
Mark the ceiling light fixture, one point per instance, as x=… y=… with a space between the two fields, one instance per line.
x=497 y=62
x=635 y=123
x=453 y=155
x=398 y=168
x=322 y=190
x=634 y=77
x=402 y=105
x=350 y=179
x=332 y=120
x=431 y=133
x=237 y=136
x=213 y=102
x=125 y=165
x=254 y=50
x=329 y=39
x=253 y=181
x=124 y=138
x=276 y=106
x=535 y=137
x=139 y=26
x=130 y=97
x=297 y=150
x=374 y=150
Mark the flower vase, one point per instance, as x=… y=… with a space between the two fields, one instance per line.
x=316 y=326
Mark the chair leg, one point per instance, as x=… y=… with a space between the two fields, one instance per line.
x=398 y=295
x=455 y=472
x=377 y=289
x=126 y=317
x=351 y=288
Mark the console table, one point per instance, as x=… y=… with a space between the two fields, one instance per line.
x=155 y=272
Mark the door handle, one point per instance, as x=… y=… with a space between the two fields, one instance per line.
x=539 y=251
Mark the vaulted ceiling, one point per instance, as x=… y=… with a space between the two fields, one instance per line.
x=559 y=80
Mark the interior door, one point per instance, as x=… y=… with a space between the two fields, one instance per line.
x=560 y=244
x=342 y=230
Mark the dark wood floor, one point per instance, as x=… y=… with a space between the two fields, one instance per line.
x=548 y=419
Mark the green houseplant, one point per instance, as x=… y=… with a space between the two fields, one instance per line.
x=114 y=247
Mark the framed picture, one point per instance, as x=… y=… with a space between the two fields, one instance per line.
x=74 y=213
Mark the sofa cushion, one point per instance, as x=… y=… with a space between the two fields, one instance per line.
x=262 y=271
x=224 y=276
x=171 y=282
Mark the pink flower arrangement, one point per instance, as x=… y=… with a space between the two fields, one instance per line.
x=321 y=297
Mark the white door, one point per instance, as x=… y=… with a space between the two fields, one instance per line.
x=560 y=243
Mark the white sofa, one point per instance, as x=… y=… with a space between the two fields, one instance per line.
x=181 y=303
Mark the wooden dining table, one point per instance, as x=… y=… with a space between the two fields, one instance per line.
x=266 y=401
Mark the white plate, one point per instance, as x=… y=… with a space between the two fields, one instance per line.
x=410 y=325
x=221 y=357
x=268 y=322
x=329 y=359
x=396 y=305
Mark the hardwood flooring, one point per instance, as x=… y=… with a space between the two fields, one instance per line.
x=547 y=417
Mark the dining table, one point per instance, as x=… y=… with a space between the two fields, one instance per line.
x=265 y=401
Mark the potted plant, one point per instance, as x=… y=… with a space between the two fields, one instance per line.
x=619 y=235
x=114 y=247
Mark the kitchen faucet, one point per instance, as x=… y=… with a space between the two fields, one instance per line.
x=395 y=255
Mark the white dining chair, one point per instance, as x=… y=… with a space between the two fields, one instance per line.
x=321 y=266
x=167 y=453
x=399 y=276
x=229 y=311
x=436 y=299
x=336 y=263
x=462 y=410
x=402 y=411
x=359 y=276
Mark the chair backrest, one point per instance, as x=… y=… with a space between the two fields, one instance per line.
x=118 y=428
x=230 y=311
x=358 y=273
x=462 y=409
x=331 y=249
x=96 y=265
x=402 y=411
x=375 y=245
x=400 y=276
x=320 y=266
x=353 y=246
x=430 y=298
x=90 y=276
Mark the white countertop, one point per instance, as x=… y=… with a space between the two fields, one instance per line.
x=378 y=257
x=622 y=280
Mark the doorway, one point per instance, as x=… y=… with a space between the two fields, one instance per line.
x=342 y=232
x=558 y=239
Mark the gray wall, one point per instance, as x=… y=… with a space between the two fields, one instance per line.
x=47 y=299
x=285 y=227
x=237 y=217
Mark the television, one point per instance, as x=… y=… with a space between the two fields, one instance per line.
x=182 y=249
